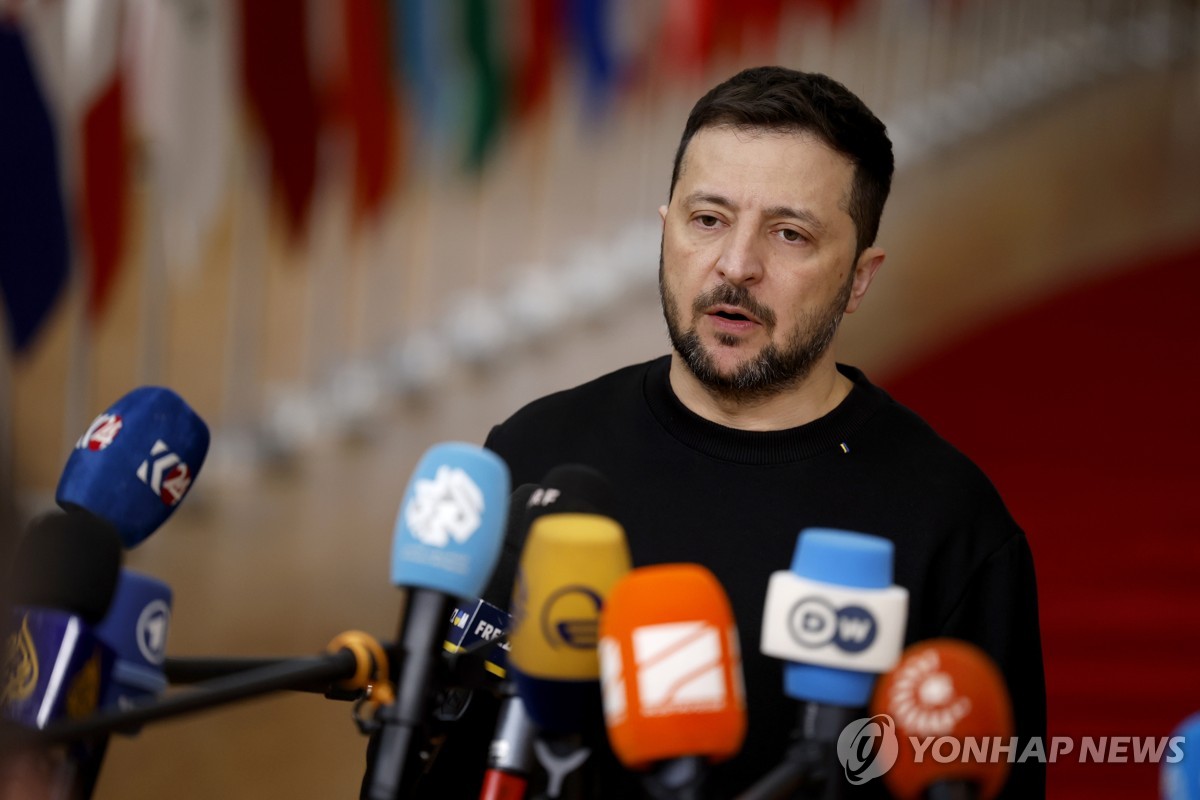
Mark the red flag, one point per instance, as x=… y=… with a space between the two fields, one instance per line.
x=542 y=24
x=283 y=99
x=689 y=34
x=105 y=190
x=369 y=102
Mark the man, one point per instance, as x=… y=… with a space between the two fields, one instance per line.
x=749 y=431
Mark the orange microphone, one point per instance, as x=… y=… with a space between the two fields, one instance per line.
x=671 y=677
x=954 y=724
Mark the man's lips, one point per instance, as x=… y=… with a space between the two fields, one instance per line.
x=733 y=317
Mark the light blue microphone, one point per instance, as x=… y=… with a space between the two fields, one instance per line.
x=136 y=462
x=1179 y=778
x=837 y=621
x=445 y=546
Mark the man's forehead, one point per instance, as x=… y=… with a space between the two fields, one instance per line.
x=717 y=151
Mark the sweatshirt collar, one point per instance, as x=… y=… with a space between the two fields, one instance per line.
x=829 y=433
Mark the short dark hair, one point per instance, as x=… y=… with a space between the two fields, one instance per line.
x=785 y=100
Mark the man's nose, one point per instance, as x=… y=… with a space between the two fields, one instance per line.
x=740 y=261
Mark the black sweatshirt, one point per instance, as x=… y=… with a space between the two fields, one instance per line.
x=690 y=490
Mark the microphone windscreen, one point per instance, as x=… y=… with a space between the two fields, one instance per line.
x=136 y=462
x=135 y=629
x=671 y=667
x=499 y=588
x=67 y=561
x=568 y=567
x=946 y=688
x=450 y=526
x=835 y=616
x=573 y=488
x=1179 y=778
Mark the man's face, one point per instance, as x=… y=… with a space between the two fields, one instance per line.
x=757 y=264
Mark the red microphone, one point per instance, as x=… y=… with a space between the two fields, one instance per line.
x=954 y=722
x=671 y=676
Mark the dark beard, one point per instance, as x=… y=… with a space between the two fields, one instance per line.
x=775 y=369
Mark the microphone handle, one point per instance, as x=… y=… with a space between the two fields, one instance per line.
x=420 y=638
x=499 y=784
x=953 y=790
x=810 y=764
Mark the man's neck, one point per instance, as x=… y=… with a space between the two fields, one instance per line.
x=814 y=397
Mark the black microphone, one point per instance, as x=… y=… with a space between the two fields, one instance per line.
x=63 y=579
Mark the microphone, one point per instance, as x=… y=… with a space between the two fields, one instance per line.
x=135 y=629
x=1179 y=778
x=946 y=688
x=837 y=621
x=64 y=576
x=446 y=543
x=136 y=462
x=566 y=488
x=135 y=632
x=671 y=675
x=568 y=567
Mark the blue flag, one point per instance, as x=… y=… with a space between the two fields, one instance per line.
x=34 y=254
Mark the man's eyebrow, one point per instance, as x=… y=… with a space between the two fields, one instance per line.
x=774 y=212
x=708 y=198
x=803 y=215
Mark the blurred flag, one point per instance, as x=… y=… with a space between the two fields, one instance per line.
x=97 y=92
x=34 y=255
x=591 y=35
x=487 y=85
x=369 y=101
x=283 y=100
x=181 y=79
x=537 y=30
x=688 y=36
x=426 y=42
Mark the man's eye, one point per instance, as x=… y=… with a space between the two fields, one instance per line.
x=790 y=235
x=707 y=220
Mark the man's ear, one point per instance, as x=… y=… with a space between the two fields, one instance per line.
x=662 y=213
x=869 y=262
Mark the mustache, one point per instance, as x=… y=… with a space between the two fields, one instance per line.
x=728 y=294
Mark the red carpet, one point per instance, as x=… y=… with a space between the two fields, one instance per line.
x=1083 y=410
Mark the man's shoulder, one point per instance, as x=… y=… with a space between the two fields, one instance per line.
x=901 y=434
x=570 y=406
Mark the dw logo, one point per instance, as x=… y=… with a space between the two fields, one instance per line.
x=450 y=506
x=814 y=622
x=167 y=475
x=868 y=748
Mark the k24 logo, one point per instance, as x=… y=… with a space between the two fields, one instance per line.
x=101 y=433
x=166 y=474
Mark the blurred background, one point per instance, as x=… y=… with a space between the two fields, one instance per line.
x=345 y=230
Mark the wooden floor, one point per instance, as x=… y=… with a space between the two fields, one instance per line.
x=278 y=564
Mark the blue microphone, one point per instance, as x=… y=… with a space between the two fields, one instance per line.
x=135 y=629
x=136 y=462
x=445 y=546
x=135 y=632
x=1179 y=778
x=838 y=622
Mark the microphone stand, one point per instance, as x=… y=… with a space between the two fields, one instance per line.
x=808 y=771
x=342 y=665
